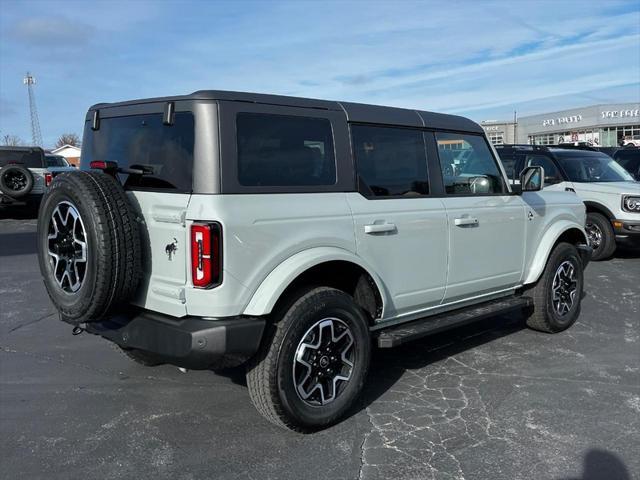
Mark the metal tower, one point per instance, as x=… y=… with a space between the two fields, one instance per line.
x=36 y=134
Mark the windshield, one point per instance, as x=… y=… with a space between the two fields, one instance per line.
x=56 y=161
x=586 y=166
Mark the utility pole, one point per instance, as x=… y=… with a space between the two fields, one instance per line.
x=515 y=127
x=36 y=134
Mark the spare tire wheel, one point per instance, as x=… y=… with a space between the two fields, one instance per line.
x=88 y=246
x=16 y=181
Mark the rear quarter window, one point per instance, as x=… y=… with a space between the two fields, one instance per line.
x=284 y=151
x=143 y=141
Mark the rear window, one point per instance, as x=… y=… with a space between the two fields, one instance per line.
x=28 y=158
x=56 y=161
x=165 y=152
x=284 y=151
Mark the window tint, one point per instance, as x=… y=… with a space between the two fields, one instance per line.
x=468 y=167
x=390 y=161
x=551 y=172
x=56 y=161
x=509 y=161
x=27 y=158
x=144 y=142
x=281 y=150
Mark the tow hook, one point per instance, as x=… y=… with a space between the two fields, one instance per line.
x=77 y=330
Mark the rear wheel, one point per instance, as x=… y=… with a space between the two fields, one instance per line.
x=600 y=235
x=313 y=361
x=558 y=293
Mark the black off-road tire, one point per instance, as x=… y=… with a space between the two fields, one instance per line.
x=114 y=251
x=139 y=356
x=270 y=373
x=7 y=189
x=608 y=243
x=544 y=317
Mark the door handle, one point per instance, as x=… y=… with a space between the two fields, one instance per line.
x=466 y=221
x=380 y=228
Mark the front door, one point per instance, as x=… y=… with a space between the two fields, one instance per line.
x=400 y=229
x=486 y=223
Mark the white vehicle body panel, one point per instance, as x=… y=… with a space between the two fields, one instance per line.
x=162 y=218
x=609 y=195
x=411 y=256
x=480 y=261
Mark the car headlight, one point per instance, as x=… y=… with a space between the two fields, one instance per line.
x=631 y=203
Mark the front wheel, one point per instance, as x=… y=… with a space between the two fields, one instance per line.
x=558 y=293
x=313 y=361
x=600 y=235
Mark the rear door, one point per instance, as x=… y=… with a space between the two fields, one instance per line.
x=401 y=230
x=160 y=197
x=486 y=223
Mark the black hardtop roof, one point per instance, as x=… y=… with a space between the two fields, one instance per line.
x=20 y=148
x=355 y=112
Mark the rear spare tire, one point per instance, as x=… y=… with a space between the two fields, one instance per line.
x=16 y=181
x=88 y=246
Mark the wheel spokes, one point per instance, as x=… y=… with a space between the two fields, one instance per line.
x=323 y=361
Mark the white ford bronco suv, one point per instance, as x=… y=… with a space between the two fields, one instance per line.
x=23 y=175
x=610 y=193
x=293 y=235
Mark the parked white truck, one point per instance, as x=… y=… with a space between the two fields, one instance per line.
x=293 y=235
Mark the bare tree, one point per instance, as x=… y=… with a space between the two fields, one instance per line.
x=11 y=140
x=68 y=139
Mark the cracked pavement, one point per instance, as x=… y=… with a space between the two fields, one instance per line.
x=492 y=400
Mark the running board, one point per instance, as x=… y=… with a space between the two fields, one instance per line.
x=406 y=332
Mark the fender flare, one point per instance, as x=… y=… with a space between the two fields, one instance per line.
x=265 y=297
x=549 y=239
x=600 y=207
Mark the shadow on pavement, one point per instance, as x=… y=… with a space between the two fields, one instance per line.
x=600 y=464
x=22 y=243
x=389 y=365
x=19 y=212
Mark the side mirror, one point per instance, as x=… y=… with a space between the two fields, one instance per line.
x=532 y=179
x=479 y=184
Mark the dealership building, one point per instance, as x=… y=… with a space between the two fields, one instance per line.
x=599 y=125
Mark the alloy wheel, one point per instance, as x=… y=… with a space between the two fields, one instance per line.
x=324 y=362
x=564 y=288
x=67 y=247
x=594 y=235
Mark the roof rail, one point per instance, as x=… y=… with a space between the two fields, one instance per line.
x=573 y=146
x=523 y=146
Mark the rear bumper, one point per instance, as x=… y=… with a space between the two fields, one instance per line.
x=190 y=342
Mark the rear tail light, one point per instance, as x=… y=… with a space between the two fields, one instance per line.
x=48 y=177
x=206 y=255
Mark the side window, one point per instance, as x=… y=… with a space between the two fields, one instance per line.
x=390 y=161
x=468 y=167
x=551 y=172
x=282 y=150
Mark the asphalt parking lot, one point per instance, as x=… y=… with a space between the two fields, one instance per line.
x=489 y=401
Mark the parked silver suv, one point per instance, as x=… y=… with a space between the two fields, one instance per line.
x=23 y=175
x=291 y=234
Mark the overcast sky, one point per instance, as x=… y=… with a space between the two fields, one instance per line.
x=477 y=58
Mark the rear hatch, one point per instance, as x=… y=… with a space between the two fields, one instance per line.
x=160 y=195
